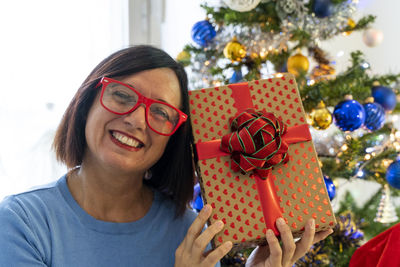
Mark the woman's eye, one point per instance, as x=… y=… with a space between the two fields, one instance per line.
x=160 y=113
x=122 y=97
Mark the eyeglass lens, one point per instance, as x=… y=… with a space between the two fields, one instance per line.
x=121 y=99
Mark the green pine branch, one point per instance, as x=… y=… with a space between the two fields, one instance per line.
x=354 y=81
x=347 y=163
x=264 y=14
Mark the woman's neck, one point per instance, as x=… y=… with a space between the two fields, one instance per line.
x=108 y=196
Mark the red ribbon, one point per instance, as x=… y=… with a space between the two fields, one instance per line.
x=258 y=141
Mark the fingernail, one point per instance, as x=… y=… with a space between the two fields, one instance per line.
x=206 y=208
x=270 y=233
x=312 y=223
x=228 y=245
x=280 y=221
x=219 y=224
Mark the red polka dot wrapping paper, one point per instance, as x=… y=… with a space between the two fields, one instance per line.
x=299 y=184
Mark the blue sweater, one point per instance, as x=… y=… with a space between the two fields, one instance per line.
x=47 y=227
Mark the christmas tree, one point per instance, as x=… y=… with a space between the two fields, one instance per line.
x=352 y=113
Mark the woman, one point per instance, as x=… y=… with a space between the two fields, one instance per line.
x=127 y=143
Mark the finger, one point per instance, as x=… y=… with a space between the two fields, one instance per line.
x=201 y=242
x=306 y=240
x=217 y=254
x=287 y=240
x=197 y=226
x=322 y=235
x=274 y=249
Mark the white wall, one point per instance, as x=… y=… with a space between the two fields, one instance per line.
x=47 y=49
x=180 y=15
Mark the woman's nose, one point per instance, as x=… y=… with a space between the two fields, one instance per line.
x=137 y=118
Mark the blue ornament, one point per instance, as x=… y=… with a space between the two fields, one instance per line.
x=349 y=115
x=330 y=187
x=322 y=8
x=393 y=174
x=197 y=202
x=236 y=77
x=374 y=116
x=384 y=96
x=203 y=32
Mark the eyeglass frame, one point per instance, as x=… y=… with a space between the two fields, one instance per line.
x=105 y=81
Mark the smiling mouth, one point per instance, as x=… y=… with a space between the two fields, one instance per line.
x=127 y=140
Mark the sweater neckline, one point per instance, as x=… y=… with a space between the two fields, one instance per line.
x=103 y=226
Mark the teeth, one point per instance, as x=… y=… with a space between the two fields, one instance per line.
x=126 y=140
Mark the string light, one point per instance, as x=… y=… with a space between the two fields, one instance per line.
x=263 y=53
x=365 y=65
x=386 y=162
x=396 y=146
x=216 y=83
x=369 y=149
x=340 y=53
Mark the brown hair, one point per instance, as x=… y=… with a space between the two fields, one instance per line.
x=173 y=173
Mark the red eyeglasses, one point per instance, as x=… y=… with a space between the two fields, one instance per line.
x=121 y=99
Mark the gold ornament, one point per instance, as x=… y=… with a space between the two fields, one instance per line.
x=322 y=72
x=183 y=58
x=351 y=24
x=297 y=64
x=321 y=118
x=234 y=50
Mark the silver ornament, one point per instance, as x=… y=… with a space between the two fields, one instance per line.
x=288 y=6
x=386 y=210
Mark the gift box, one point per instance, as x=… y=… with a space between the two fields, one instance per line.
x=256 y=160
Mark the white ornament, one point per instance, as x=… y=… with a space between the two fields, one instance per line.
x=372 y=37
x=242 y=5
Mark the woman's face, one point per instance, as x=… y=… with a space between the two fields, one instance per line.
x=125 y=143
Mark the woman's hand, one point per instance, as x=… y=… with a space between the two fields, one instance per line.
x=191 y=252
x=274 y=256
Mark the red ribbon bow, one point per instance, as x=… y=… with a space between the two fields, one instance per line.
x=256 y=142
